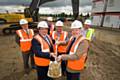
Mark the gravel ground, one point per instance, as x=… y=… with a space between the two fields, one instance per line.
x=103 y=62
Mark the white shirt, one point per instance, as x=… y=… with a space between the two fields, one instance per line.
x=83 y=32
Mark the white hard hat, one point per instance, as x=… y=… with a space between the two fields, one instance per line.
x=42 y=24
x=49 y=19
x=76 y=24
x=59 y=23
x=23 y=21
x=88 y=22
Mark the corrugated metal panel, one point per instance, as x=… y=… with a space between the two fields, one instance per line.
x=112 y=21
x=98 y=6
x=97 y=20
x=113 y=6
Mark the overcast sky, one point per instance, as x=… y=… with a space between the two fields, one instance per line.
x=57 y=6
x=66 y=2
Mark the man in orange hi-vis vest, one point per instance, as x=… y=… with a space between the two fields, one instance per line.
x=60 y=37
x=43 y=48
x=23 y=38
x=77 y=52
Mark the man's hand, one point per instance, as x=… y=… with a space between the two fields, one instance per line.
x=53 y=55
x=59 y=58
x=57 y=42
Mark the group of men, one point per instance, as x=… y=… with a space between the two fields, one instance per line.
x=41 y=47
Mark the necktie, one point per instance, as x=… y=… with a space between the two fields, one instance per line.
x=46 y=38
x=50 y=45
x=27 y=31
x=73 y=40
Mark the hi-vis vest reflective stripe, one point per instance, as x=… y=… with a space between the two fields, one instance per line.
x=25 y=39
x=89 y=34
x=76 y=64
x=61 y=48
x=45 y=48
x=62 y=36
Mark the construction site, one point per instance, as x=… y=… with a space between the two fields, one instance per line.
x=103 y=61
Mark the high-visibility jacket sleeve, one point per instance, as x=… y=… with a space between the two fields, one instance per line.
x=36 y=48
x=17 y=39
x=82 y=48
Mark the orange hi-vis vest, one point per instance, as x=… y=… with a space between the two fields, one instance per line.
x=76 y=64
x=25 y=39
x=45 y=48
x=63 y=35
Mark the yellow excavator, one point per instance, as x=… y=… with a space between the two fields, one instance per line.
x=31 y=14
x=12 y=17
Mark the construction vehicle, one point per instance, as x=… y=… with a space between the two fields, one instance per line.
x=12 y=17
x=13 y=27
x=32 y=12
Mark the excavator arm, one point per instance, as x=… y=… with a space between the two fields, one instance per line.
x=32 y=12
x=75 y=7
x=33 y=9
